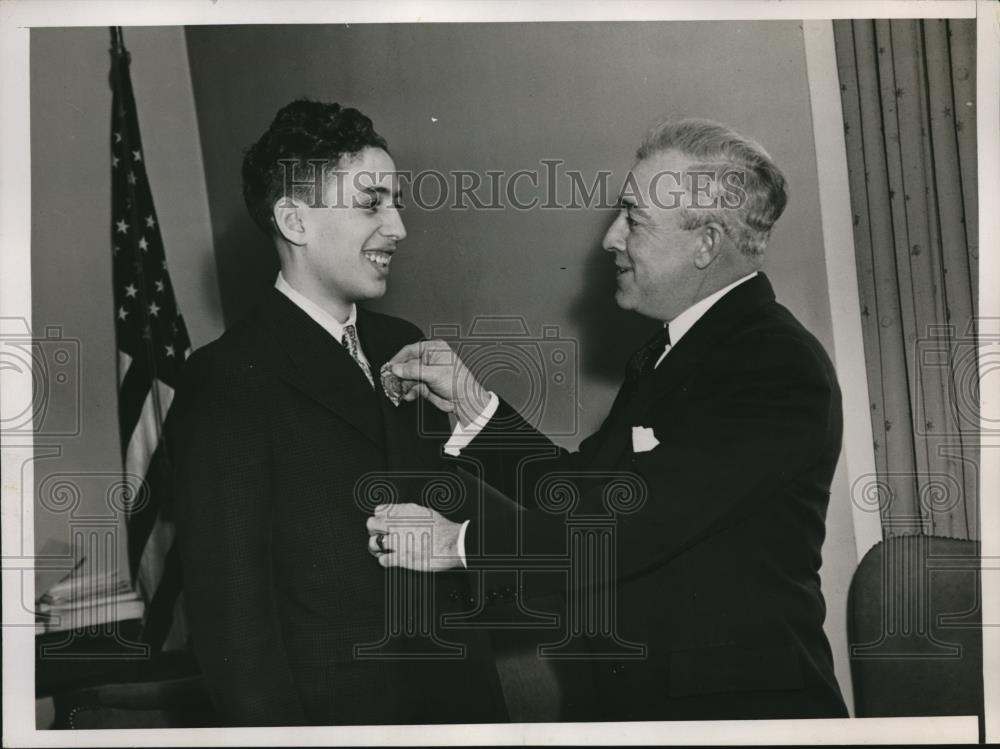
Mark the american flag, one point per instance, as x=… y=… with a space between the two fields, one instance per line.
x=152 y=346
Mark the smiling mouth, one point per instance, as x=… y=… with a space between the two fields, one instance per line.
x=379 y=258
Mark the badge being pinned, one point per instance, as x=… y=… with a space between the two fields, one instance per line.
x=392 y=386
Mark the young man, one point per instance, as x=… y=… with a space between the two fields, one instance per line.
x=276 y=432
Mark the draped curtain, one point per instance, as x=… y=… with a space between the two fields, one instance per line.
x=909 y=98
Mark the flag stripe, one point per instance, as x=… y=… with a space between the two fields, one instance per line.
x=143 y=516
x=154 y=555
x=160 y=616
x=124 y=362
x=146 y=435
x=132 y=399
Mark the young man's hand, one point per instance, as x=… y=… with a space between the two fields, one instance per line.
x=414 y=537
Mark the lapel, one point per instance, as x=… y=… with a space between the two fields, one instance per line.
x=733 y=310
x=400 y=431
x=319 y=366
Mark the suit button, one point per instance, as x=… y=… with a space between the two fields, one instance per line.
x=492 y=596
x=453 y=595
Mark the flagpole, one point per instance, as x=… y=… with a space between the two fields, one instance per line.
x=121 y=59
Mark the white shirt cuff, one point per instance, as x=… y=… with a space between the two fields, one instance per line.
x=461 y=544
x=462 y=436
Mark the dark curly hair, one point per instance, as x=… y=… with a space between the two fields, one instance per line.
x=302 y=130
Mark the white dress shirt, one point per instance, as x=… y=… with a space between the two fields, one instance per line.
x=326 y=321
x=462 y=436
x=686 y=319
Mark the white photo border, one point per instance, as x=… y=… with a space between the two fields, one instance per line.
x=16 y=19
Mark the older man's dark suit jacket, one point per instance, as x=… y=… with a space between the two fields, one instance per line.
x=718 y=570
x=271 y=431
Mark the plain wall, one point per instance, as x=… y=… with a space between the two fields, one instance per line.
x=505 y=96
x=70 y=237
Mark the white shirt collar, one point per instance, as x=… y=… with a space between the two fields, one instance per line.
x=686 y=319
x=327 y=321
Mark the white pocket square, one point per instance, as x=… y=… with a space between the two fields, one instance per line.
x=643 y=439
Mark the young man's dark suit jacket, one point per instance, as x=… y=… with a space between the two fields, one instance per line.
x=270 y=432
x=718 y=571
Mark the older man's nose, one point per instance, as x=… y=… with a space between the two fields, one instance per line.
x=614 y=237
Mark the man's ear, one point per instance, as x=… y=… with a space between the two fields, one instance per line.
x=287 y=218
x=712 y=237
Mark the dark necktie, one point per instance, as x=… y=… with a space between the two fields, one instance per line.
x=643 y=361
x=352 y=345
x=627 y=410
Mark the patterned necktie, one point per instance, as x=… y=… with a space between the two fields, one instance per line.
x=643 y=361
x=353 y=347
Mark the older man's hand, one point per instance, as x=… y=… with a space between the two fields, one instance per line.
x=440 y=377
x=414 y=537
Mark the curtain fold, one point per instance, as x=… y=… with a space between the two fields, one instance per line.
x=908 y=93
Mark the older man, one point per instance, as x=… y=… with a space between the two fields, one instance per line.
x=729 y=418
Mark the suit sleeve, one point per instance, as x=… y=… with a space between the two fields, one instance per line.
x=219 y=443
x=753 y=418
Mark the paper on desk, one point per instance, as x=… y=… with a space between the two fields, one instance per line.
x=53 y=563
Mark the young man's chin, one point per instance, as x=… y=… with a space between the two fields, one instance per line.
x=376 y=290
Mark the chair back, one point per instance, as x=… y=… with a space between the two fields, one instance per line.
x=914 y=628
